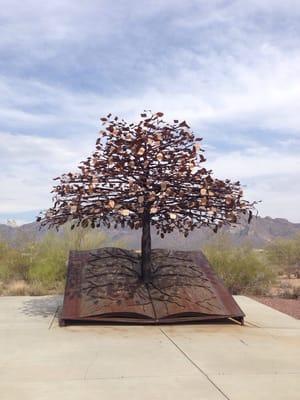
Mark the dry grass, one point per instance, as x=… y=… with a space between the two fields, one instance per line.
x=286 y=287
x=243 y=270
x=15 y=288
x=38 y=267
x=23 y=288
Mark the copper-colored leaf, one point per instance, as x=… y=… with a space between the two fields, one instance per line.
x=163 y=185
x=142 y=165
x=124 y=212
x=160 y=157
x=111 y=203
x=141 y=151
x=152 y=197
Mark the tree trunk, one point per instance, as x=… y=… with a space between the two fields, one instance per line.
x=146 y=248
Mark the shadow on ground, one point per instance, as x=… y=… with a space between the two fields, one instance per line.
x=50 y=305
x=41 y=306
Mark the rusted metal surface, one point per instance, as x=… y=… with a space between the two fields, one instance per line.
x=104 y=285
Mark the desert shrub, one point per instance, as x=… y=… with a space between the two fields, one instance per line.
x=285 y=254
x=49 y=258
x=296 y=292
x=242 y=269
x=14 y=263
x=38 y=267
x=290 y=293
x=84 y=238
x=23 y=288
x=51 y=254
x=5 y=252
x=16 y=288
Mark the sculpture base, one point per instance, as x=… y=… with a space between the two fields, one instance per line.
x=104 y=285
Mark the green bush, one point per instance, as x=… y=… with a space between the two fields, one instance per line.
x=42 y=264
x=14 y=263
x=242 y=269
x=50 y=256
x=285 y=254
x=49 y=259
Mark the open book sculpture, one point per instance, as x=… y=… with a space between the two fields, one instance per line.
x=105 y=285
x=145 y=174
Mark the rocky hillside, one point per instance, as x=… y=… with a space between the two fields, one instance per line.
x=260 y=232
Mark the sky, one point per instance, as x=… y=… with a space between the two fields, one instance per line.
x=230 y=68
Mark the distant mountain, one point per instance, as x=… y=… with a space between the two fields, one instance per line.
x=260 y=232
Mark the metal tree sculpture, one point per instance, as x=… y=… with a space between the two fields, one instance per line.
x=143 y=174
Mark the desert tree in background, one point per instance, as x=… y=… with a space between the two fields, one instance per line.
x=143 y=174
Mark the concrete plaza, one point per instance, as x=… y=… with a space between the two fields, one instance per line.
x=41 y=361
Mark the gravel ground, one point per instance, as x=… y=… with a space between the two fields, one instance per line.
x=287 y=306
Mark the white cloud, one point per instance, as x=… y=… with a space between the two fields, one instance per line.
x=256 y=163
x=27 y=166
x=224 y=66
x=236 y=93
x=269 y=175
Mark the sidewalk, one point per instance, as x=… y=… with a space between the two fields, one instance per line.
x=40 y=361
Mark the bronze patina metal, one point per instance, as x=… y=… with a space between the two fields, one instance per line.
x=146 y=175
x=106 y=285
